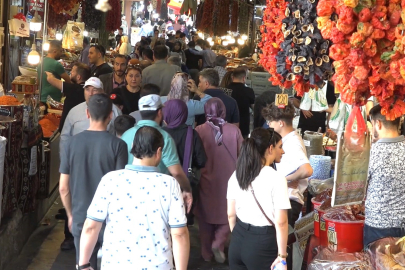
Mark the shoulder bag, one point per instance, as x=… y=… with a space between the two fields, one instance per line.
x=188 y=158
x=261 y=209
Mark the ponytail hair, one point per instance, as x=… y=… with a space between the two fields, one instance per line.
x=252 y=155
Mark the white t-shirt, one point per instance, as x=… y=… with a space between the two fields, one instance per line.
x=140 y=205
x=270 y=188
x=294 y=157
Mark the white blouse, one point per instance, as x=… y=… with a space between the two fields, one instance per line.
x=270 y=188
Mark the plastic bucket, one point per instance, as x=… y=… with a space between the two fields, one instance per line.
x=315 y=204
x=344 y=236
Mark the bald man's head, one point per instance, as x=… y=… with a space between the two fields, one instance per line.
x=145 y=63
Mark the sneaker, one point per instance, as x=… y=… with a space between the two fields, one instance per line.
x=219 y=255
x=67 y=244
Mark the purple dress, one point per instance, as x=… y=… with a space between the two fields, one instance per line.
x=221 y=163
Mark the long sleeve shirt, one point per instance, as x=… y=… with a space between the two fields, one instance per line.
x=208 y=57
x=195 y=107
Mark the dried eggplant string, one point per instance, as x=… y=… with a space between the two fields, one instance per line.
x=304 y=49
x=234 y=16
x=243 y=18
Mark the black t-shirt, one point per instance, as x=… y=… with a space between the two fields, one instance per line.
x=232 y=112
x=100 y=70
x=74 y=94
x=130 y=99
x=245 y=97
x=88 y=157
x=318 y=120
x=192 y=60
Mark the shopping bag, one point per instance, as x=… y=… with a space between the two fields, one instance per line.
x=352 y=159
x=19 y=28
x=337 y=118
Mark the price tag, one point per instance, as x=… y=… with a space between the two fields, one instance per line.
x=281 y=100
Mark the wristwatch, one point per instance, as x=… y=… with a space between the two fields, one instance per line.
x=283 y=256
x=84 y=266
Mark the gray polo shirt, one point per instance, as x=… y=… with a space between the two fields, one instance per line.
x=160 y=73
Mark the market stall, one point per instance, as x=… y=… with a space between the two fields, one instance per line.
x=358 y=46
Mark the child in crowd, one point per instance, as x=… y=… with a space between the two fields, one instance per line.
x=122 y=123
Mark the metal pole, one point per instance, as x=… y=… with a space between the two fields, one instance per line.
x=44 y=34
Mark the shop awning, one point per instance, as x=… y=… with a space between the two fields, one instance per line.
x=175 y=6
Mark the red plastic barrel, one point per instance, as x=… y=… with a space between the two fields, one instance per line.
x=315 y=204
x=344 y=236
x=323 y=234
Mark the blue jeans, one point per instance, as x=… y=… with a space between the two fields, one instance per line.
x=372 y=234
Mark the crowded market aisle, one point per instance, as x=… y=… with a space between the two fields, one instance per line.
x=42 y=251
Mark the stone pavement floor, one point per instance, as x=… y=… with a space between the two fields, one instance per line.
x=42 y=251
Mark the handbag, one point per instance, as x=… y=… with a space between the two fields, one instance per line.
x=188 y=156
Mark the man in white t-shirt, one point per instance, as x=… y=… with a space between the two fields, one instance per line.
x=146 y=225
x=294 y=165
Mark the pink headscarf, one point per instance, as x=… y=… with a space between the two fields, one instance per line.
x=215 y=113
x=178 y=89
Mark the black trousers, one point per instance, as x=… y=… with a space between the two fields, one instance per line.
x=372 y=234
x=252 y=247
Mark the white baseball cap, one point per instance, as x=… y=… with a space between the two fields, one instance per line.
x=95 y=82
x=150 y=103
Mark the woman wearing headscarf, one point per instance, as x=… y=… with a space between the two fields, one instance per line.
x=180 y=90
x=125 y=47
x=175 y=116
x=177 y=51
x=221 y=142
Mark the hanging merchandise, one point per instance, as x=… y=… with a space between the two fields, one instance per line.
x=73 y=36
x=243 y=25
x=113 y=20
x=368 y=51
x=208 y=11
x=189 y=7
x=163 y=10
x=303 y=48
x=18 y=26
x=222 y=19
x=272 y=37
x=234 y=16
x=158 y=6
x=200 y=11
x=352 y=161
x=91 y=16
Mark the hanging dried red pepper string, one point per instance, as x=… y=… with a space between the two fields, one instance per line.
x=206 y=23
x=113 y=20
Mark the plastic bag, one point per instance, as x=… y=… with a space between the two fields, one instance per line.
x=329 y=260
x=337 y=119
x=388 y=253
x=355 y=131
x=53 y=104
x=316 y=186
x=352 y=159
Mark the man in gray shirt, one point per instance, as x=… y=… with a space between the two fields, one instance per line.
x=160 y=73
x=77 y=120
x=207 y=54
x=88 y=157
